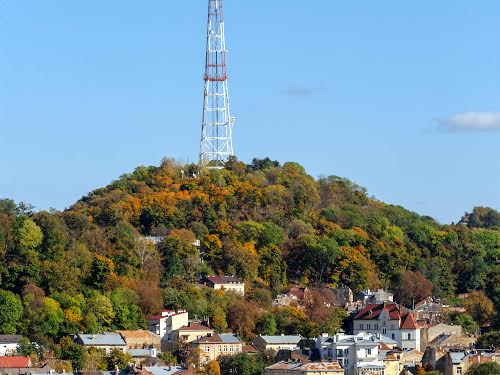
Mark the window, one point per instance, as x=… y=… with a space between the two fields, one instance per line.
x=459 y=370
x=409 y=336
x=220 y=348
x=368 y=352
x=329 y=355
x=231 y=348
x=207 y=349
x=393 y=336
x=384 y=330
x=360 y=325
x=368 y=326
x=346 y=351
x=376 y=325
x=225 y=348
x=340 y=352
x=346 y=361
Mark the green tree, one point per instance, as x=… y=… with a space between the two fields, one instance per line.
x=118 y=359
x=11 y=310
x=219 y=320
x=488 y=368
x=266 y=324
x=464 y=320
x=489 y=340
x=29 y=235
x=242 y=364
x=72 y=352
x=102 y=309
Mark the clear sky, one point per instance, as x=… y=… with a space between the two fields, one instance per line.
x=401 y=97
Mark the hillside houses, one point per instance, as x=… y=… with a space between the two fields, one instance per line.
x=391 y=320
x=8 y=344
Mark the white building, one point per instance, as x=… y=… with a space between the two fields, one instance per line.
x=229 y=283
x=170 y=320
x=391 y=320
x=358 y=354
x=277 y=343
x=8 y=344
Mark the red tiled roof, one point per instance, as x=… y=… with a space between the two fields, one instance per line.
x=249 y=349
x=195 y=327
x=409 y=322
x=373 y=311
x=14 y=362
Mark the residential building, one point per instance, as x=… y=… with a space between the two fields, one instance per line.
x=206 y=349
x=140 y=339
x=140 y=355
x=343 y=295
x=429 y=310
x=391 y=360
x=8 y=344
x=458 y=362
x=277 y=343
x=43 y=370
x=165 y=370
x=229 y=283
x=298 y=368
x=168 y=321
x=356 y=353
x=14 y=362
x=293 y=297
x=191 y=332
x=389 y=319
x=378 y=296
x=108 y=341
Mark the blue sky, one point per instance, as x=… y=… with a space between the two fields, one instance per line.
x=401 y=98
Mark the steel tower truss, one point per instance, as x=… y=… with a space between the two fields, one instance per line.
x=217 y=123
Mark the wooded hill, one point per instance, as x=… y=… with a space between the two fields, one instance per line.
x=89 y=268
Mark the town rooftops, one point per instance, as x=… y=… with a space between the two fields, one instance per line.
x=163 y=370
x=220 y=280
x=193 y=326
x=409 y=322
x=102 y=339
x=14 y=362
x=137 y=334
x=373 y=310
x=282 y=339
x=142 y=353
x=457 y=357
x=220 y=338
x=10 y=339
x=311 y=366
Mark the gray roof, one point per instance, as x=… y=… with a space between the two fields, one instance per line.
x=140 y=352
x=229 y=338
x=457 y=357
x=10 y=339
x=163 y=370
x=102 y=339
x=285 y=339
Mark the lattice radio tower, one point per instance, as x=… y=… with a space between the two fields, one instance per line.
x=217 y=123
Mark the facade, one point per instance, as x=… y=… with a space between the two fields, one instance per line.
x=206 y=349
x=391 y=320
x=8 y=344
x=311 y=368
x=458 y=362
x=141 y=339
x=358 y=354
x=104 y=341
x=343 y=295
x=429 y=310
x=277 y=343
x=229 y=283
x=378 y=296
x=168 y=321
x=190 y=332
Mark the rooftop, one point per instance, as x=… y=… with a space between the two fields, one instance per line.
x=221 y=338
x=223 y=280
x=282 y=339
x=10 y=339
x=14 y=362
x=102 y=339
x=192 y=326
x=137 y=334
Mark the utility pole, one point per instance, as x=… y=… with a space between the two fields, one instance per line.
x=217 y=123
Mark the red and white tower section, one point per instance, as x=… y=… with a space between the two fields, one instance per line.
x=217 y=123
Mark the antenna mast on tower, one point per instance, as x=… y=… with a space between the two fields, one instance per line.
x=217 y=123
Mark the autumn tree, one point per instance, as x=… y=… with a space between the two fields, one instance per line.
x=415 y=286
x=480 y=307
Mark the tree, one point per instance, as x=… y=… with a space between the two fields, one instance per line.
x=266 y=324
x=464 y=320
x=118 y=359
x=487 y=368
x=29 y=235
x=242 y=364
x=212 y=368
x=219 y=320
x=102 y=309
x=72 y=352
x=415 y=286
x=480 y=307
x=11 y=310
x=489 y=340
x=242 y=317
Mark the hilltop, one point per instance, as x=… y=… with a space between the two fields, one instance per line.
x=92 y=268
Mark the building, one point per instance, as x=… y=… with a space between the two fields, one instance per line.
x=429 y=310
x=206 y=349
x=190 y=332
x=277 y=343
x=43 y=370
x=14 y=362
x=229 y=283
x=378 y=296
x=8 y=344
x=141 y=339
x=298 y=368
x=105 y=341
x=389 y=319
x=168 y=321
x=141 y=355
x=356 y=353
x=458 y=362
x=343 y=295
x=165 y=370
